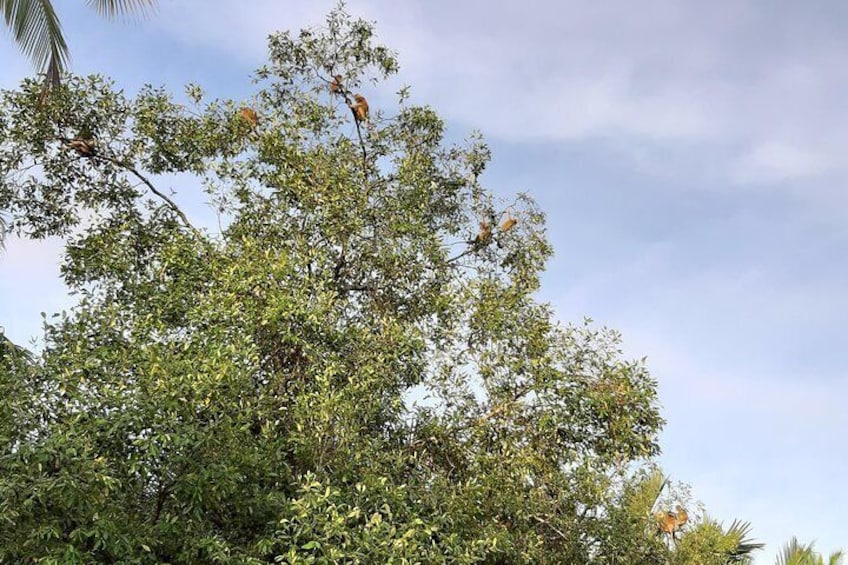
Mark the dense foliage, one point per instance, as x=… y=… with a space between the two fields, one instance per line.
x=352 y=370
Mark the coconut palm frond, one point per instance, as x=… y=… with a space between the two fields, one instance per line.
x=36 y=29
x=794 y=553
x=655 y=485
x=745 y=546
x=797 y=553
x=836 y=558
x=123 y=8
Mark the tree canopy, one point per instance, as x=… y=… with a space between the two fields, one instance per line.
x=352 y=368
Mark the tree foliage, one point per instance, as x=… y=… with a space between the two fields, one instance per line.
x=350 y=371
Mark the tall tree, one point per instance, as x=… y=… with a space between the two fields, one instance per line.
x=35 y=27
x=353 y=368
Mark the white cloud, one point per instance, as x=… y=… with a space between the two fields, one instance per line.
x=653 y=72
x=776 y=162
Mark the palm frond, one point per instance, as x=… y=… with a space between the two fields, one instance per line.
x=794 y=553
x=36 y=29
x=652 y=488
x=836 y=558
x=745 y=546
x=643 y=493
x=123 y=8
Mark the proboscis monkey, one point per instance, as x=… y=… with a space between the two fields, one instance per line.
x=485 y=233
x=508 y=223
x=249 y=115
x=666 y=521
x=360 y=108
x=84 y=147
x=671 y=522
x=336 y=85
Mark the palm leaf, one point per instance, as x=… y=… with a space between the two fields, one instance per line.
x=794 y=553
x=745 y=546
x=36 y=29
x=119 y=8
x=836 y=558
x=646 y=497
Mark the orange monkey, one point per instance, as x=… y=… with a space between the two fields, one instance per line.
x=508 y=224
x=671 y=522
x=249 y=115
x=360 y=109
x=484 y=234
x=84 y=147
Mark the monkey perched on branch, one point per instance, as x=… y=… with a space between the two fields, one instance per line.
x=508 y=223
x=484 y=235
x=487 y=228
x=671 y=522
x=84 y=147
x=249 y=115
x=336 y=85
x=360 y=108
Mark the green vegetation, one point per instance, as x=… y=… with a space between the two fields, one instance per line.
x=353 y=370
x=796 y=553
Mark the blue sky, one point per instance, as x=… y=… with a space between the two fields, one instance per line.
x=691 y=157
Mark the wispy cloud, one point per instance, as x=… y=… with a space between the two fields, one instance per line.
x=776 y=162
x=657 y=72
x=691 y=156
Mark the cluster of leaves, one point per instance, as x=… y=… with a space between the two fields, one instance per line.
x=343 y=374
